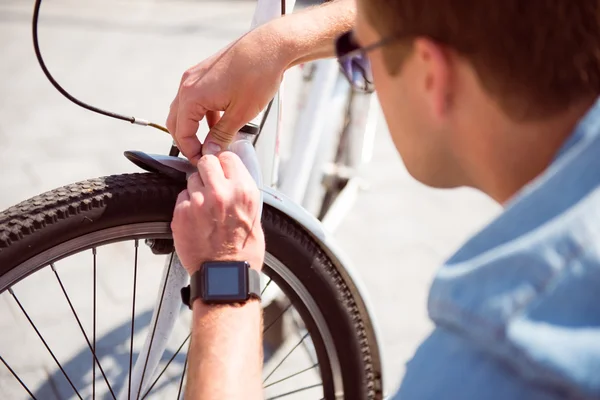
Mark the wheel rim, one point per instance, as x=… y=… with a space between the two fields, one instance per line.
x=161 y=230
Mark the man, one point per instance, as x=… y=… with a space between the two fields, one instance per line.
x=496 y=95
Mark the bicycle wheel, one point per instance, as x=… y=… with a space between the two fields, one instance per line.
x=81 y=217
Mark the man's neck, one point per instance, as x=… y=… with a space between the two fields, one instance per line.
x=517 y=152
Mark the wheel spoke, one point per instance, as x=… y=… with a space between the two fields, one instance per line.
x=82 y=330
x=94 y=331
x=266 y=286
x=279 y=396
x=162 y=295
x=292 y=375
x=167 y=366
x=183 y=375
x=135 y=263
x=17 y=378
x=43 y=341
x=305 y=345
x=277 y=319
x=286 y=356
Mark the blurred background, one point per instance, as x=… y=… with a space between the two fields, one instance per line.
x=128 y=56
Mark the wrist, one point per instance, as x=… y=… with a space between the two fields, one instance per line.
x=310 y=34
x=276 y=43
x=215 y=312
x=225 y=282
x=256 y=262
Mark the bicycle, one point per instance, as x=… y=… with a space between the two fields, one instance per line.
x=324 y=301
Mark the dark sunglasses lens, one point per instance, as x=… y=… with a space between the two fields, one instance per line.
x=357 y=69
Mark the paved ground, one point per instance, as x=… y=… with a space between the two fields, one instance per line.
x=128 y=56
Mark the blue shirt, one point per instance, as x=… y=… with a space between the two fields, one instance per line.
x=517 y=308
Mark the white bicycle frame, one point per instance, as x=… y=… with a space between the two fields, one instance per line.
x=315 y=142
x=301 y=171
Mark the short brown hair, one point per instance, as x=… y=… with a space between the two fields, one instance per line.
x=534 y=56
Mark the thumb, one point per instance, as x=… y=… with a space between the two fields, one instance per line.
x=220 y=135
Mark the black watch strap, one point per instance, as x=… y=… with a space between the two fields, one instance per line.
x=195 y=289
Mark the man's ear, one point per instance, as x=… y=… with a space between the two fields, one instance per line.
x=436 y=75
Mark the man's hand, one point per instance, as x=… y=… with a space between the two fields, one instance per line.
x=215 y=218
x=242 y=78
x=239 y=80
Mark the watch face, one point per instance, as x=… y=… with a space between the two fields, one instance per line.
x=225 y=282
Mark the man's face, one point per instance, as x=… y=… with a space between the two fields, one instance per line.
x=413 y=108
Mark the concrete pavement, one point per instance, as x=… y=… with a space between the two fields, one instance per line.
x=128 y=56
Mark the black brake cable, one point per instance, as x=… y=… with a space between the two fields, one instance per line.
x=38 y=54
x=138 y=121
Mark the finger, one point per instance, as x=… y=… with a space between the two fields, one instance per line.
x=186 y=129
x=181 y=205
x=233 y=167
x=194 y=183
x=182 y=197
x=221 y=134
x=211 y=172
x=212 y=117
x=172 y=118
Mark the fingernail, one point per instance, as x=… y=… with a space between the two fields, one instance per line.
x=210 y=148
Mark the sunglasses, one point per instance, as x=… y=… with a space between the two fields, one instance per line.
x=354 y=61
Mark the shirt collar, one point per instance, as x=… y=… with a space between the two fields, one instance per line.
x=587 y=128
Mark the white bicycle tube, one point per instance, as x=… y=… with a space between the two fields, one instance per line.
x=308 y=131
x=328 y=139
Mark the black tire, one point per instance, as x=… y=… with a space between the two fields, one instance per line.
x=45 y=221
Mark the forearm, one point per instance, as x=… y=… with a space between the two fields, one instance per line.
x=225 y=356
x=310 y=34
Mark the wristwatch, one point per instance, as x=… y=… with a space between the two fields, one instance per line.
x=222 y=282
